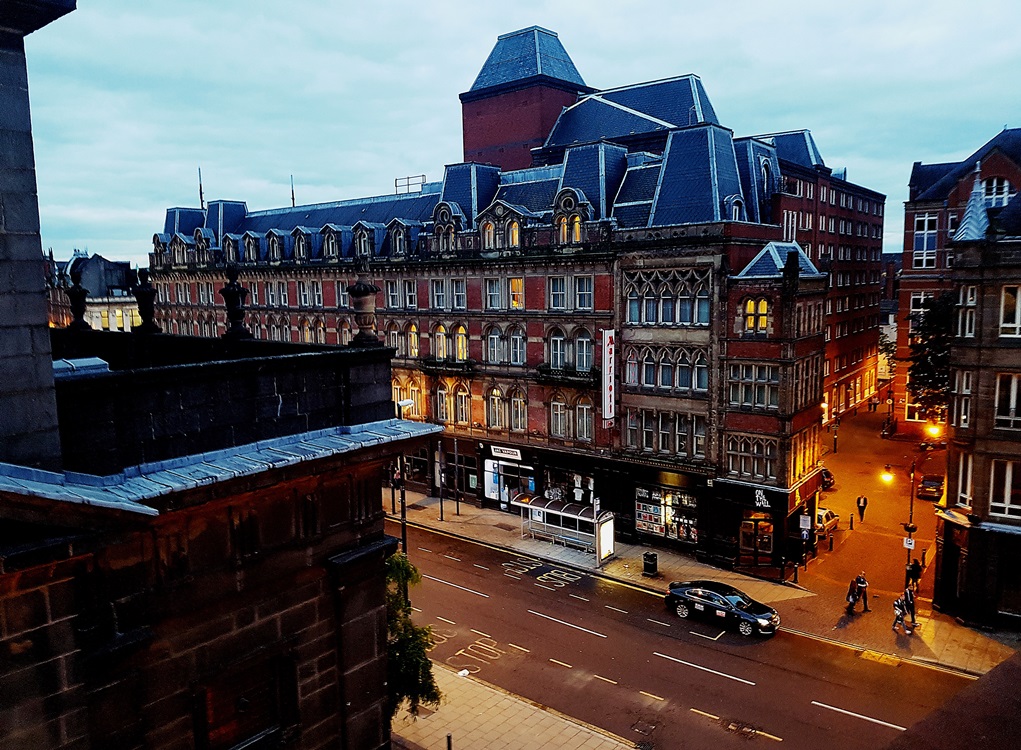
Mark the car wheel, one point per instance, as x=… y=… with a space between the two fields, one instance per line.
x=745 y=628
x=682 y=610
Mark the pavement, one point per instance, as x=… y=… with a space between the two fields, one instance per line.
x=814 y=606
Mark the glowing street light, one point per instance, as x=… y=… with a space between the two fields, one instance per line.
x=910 y=527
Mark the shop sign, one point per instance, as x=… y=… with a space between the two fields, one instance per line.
x=760 y=498
x=609 y=372
x=499 y=452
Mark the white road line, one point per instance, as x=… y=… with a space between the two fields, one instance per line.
x=445 y=620
x=415 y=609
x=664 y=624
x=448 y=583
x=451 y=557
x=510 y=576
x=479 y=632
x=651 y=695
x=563 y=664
x=576 y=627
x=704 y=669
x=605 y=679
x=548 y=588
x=424 y=549
x=519 y=648
x=860 y=716
x=616 y=609
x=481 y=566
x=579 y=597
x=714 y=717
x=700 y=635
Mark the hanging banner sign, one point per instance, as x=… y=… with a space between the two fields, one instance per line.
x=609 y=372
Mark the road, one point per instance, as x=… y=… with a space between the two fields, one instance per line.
x=615 y=657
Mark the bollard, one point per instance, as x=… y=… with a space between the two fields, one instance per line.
x=795 y=571
x=450 y=742
x=831 y=541
x=851 y=527
x=923 y=557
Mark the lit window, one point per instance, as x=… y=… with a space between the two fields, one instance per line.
x=1005 y=489
x=440 y=342
x=513 y=235
x=488 y=236
x=756 y=315
x=562 y=229
x=412 y=337
x=516 y=285
x=461 y=343
x=576 y=229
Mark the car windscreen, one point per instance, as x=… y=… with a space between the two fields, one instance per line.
x=738 y=600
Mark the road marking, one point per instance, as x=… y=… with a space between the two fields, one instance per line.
x=451 y=557
x=664 y=624
x=605 y=679
x=519 y=648
x=576 y=627
x=415 y=609
x=563 y=664
x=579 y=597
x=616 y=609
x=510 y=576
x=548 y=588
x=446 y=620
x=651 y=695
x=424 y=549
x=481 y=566
x=860 y=716
x=704 y=669
x=479 y=632
x=768 y=735
x=700 y=635
x=448 y=583
x=714 y=717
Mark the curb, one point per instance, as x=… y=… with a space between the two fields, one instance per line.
x=659 y=592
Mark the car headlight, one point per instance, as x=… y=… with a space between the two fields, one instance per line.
x=763 y=623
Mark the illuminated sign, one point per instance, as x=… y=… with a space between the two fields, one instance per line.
x=512 y=453
x=609 y=372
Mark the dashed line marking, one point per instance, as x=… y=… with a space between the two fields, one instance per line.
x=605 y=679
x=446 y=620
x=424 y=549
x=708 y=638
x=554 y=619
x=479 y=632
x=483 y=567
x=650 y=695
x=704 y=669
x=616 y=609
x=415 y=609
x=548 y=588
x=579 y=597
x=451 y=557
x=510 y=576
x=860 y=716
x=664 y=624
x=714 y=717
x=448 y=583
x=519 y=648
x=561 y=663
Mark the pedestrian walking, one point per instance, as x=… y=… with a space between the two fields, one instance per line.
x=852 y=595
x=862 y=584
x=862 y=502
x=899 y=610
x=915 y=573
x=909 y=604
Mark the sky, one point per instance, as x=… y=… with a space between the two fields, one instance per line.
x=130 y=99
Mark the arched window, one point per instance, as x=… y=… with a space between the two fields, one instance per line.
x=701 y=373
x=576 y=229
x=513 y=235
x=393 y=339
x=518 y=412
x=415 y=394
x=634 y=310
x=583 y=419
x=449 y=239
x=395 y=391
x=494 y=410
x=583 y=352
x=684 y=371
x=767 y=179
x=345 y=333
x=411 y=333
x=650 y=303
x=631 y=368
x=488 y=236
x=300 y=248
x=305 y=332
x=649 y=369
x=562 y=229
x=494 y=345
x=517 y=346
x=462 y=405
x=666 y=372
x=460 y=343
x=666 y=304
x=558 y=417
x=275 y=252
x=756 y=315
x=320 y=332
x=442 y=407
x=735 y=211
x=557 y=349
x=397 y=241
x=330 y=245
x=702 y=307
x=440 y=342
x=363 y=248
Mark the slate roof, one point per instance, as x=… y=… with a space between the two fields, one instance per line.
x=1009 y=219
x=923 y=176
x=770 y=261
x=975 y=221
x=524 y=54
x=795 y=146
x=536 y=196
x=1007 y=140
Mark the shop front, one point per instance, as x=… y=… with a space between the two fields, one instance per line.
x=667 y=513
x=508 y=471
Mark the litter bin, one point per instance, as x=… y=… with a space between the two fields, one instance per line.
x=650 y=563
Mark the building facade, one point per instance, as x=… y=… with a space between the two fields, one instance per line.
x=620 y=324
x=938 y=197
x=111 y=305
x=978 y=544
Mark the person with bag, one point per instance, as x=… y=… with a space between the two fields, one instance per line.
x=899 y=610
x=862 y=584
x=852 y=595
x=908 y=598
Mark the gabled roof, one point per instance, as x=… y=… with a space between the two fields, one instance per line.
x=770 y=262
x=527 y=54
x=924 y=176
x=1009 y=219
x=1007 y=141
x=976 y=219
x=795 y=146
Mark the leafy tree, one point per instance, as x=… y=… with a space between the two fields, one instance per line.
x=409 y=671
x=929 y=371
x=888 y=348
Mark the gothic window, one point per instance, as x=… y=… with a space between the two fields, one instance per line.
x=488 y=236
x=513 y=234
x=330 y=245
x=442 y=407
x=576 y=229
x=562 y=230
x=411 y=334
x=397 y=241
x=363 y=249
x=275 y=250
x=300 y=248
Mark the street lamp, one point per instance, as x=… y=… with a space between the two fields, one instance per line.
x=909 y=527
x=401 y=476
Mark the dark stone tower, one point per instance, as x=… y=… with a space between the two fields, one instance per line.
x=28 y=410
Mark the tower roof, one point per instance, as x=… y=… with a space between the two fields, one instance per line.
x=526 y=54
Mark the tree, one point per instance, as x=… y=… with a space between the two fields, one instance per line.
x=408 y=669
x=888 y=348
x=929 y=371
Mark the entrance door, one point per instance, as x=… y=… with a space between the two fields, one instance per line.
x=756 y=544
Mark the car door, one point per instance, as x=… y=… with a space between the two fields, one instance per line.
x=719 y=610
x=700 y=602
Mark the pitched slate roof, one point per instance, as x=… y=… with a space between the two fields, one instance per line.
x=1009 y=219
x=1007 y=141
x=770 y=261
x=524 y=54
x=923 y=176
x=795 y=146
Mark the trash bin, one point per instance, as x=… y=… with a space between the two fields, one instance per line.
x=650 y=563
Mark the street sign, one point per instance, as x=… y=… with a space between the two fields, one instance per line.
x=804 y=534
x=909 y=543
x=805 y=522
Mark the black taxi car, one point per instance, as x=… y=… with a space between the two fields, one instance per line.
x=723 y=604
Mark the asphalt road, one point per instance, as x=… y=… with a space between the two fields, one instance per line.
x=615 y=657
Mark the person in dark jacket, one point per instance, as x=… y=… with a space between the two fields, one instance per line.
x=915 y=573
x=863 y=590
x=908 y=597
x=852 y=595
x=862 y=502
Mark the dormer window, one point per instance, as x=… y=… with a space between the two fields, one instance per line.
x=562 y=229
x=275 y=250
x=230 y=251
x=398 y=241
x=576 y=229
x=300 y=248
x=252 y=248
x=488 y=236
x=330 y=245
x=362 y=249
x=513 y=234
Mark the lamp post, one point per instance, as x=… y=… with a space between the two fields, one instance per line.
x=402 y=474
x=909 y=527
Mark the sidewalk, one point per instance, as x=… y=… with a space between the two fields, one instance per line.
x=478 y=715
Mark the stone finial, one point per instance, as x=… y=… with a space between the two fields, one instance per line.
x=145 y=295
x=77 y=295
x=234 y=297
x=363 y=298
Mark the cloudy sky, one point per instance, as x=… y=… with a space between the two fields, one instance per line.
x=129 y=99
